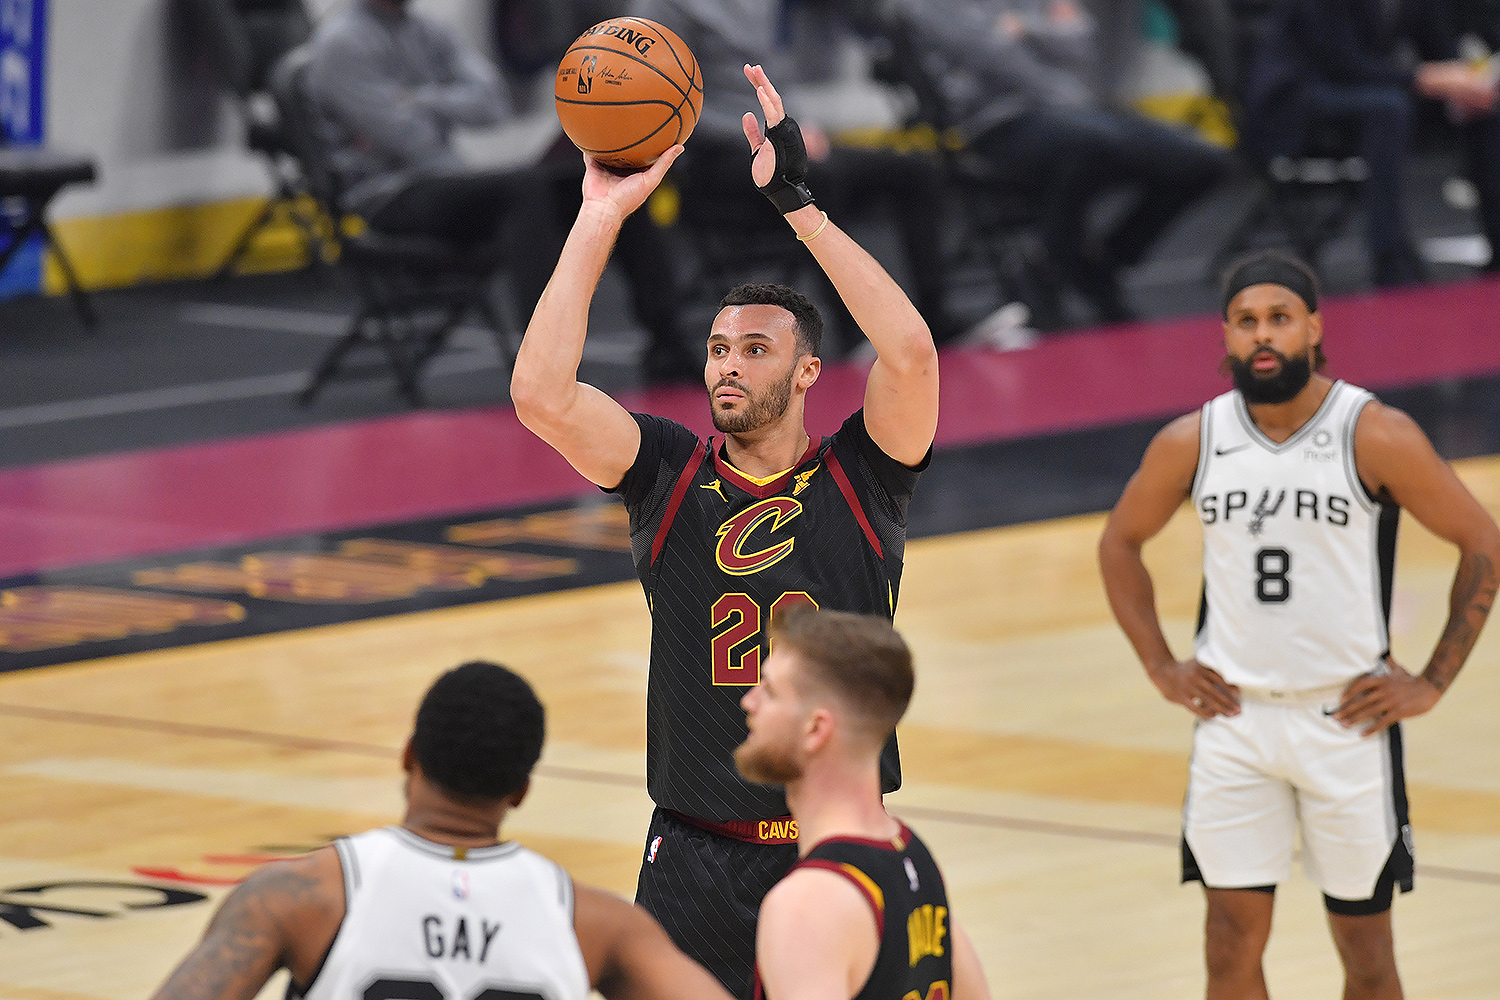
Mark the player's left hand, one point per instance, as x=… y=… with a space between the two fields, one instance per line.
x=1381 y=700
x=763 y=167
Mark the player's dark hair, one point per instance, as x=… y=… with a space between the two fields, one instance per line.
x=861 y=659
x=764 y=293
x=479 y=732
x=1275 y=267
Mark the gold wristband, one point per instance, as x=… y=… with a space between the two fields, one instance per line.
x=816 y=232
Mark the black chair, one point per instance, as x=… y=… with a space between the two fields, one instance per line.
x=734 y=236
x=413 y=290
x=30 y=177
x=244 y=39
x=997 y=218
x=1306 y=200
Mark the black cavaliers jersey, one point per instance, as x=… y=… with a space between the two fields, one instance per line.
x=904 y=888
x=718 y=554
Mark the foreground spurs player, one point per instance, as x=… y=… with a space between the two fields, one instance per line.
x=439 y=908
x=728 y=532
x=864 y=913
x=1298 y=481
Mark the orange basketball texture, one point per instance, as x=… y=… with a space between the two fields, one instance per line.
x=627 y=91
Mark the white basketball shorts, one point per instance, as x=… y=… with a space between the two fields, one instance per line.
x=1277 y=770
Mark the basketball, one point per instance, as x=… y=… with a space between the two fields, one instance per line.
x=627 y=91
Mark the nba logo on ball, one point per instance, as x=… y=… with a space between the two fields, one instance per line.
x=627 y=91
x=651 y=854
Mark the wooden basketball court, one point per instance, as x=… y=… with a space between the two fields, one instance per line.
x=1041 y=766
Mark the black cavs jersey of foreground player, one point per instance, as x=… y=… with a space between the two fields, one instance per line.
x=902 y=883
x=718 y=554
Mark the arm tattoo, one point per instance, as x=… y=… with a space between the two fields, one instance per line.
x=246 y=941
x=1469 y=605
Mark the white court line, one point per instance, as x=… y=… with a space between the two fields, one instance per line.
x=152 y=399
x=610 y=351
x=317 y=324
x=472 y=349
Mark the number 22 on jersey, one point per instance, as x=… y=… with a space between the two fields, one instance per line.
x=738 y=628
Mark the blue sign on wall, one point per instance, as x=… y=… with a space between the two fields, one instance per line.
x=23 y=119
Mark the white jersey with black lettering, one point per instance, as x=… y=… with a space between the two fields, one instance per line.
x=425 y=921
x=1297 y=556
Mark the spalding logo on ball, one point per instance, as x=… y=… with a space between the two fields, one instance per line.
x=627 y=91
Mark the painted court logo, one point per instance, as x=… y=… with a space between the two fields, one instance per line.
x=651 y=854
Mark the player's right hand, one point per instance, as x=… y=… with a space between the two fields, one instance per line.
x=620 y=194
x=1199 y=689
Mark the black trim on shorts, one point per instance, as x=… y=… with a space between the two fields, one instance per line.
x=1397 y=871
x=1191 y=873
x=1401 y=865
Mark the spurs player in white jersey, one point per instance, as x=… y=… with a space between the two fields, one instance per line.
x=439 y=908
x=1297 y=481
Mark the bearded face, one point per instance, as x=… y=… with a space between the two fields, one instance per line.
x=765 y=761
x=1278 y=384
x=756 y=409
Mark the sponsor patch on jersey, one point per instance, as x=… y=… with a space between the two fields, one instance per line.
x=655 y=846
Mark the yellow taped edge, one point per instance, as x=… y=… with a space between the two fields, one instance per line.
x=182 y=241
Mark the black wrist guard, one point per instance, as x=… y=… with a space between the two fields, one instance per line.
x=788 y=188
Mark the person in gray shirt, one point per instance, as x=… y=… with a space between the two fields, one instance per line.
x=389 y=87
x=1019 y=78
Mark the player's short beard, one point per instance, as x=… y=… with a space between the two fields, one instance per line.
x=1290 y=378
x=767 y=765
x=761 y=410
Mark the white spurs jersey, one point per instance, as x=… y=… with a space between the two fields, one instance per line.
x=1297 y=556
x=422 y=923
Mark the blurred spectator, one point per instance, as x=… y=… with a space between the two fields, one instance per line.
x=1019 y=78
x=1207 y=31
x=390 y=86
x=532 y=36
x=727 y=34
x=393 y=84
x=1341 y=60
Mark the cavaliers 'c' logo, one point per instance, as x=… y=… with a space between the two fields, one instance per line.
x=735 y=536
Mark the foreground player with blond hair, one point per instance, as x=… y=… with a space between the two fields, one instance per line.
x=863 y=914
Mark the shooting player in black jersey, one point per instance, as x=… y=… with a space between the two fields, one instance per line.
x=728 y=532
x=863 y=914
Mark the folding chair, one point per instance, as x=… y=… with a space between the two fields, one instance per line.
x=1307 y=199
x=30 y=177
x=413 y=291
x=245 y=38
x=998 y=217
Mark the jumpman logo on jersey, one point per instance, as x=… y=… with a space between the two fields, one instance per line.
x=717 y=487
x=802 y=479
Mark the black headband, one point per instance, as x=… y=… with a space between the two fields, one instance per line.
x=1271 y=271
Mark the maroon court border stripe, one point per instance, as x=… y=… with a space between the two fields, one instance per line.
x=423 y=465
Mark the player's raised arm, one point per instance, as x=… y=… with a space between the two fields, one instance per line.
x=283 y=916
x=1395 y=458
x=1152 y=496
x=593 y=432
x=901 y=395
x=629 y=956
